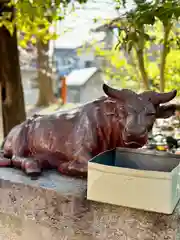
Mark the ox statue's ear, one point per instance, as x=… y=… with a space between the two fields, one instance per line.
x=115 y=93
x=166 y=111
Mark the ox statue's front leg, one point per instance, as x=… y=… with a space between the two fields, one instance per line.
x=77 y=167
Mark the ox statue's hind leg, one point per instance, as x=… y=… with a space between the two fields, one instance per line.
x=15 y=150
x=30 y=165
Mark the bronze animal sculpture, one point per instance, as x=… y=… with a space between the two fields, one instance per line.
x=67 y=140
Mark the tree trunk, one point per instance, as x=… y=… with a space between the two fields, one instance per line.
x=142 y=69
x=46 y=95
x=134 y=65
x=1 y=118
x=140 y=57
x=13 y=107
x=164 y=53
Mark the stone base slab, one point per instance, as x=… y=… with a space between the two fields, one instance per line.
x=54 y=207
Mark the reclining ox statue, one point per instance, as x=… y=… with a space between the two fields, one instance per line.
x=67 y=140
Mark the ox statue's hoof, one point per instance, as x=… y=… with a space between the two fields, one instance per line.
x=29 y=165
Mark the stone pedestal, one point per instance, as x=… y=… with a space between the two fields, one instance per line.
x=55 y=208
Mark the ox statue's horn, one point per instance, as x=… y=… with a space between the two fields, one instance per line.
x=117 y=93
x=165 y=97
x=158 y=98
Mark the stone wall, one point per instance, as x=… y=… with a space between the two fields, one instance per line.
x=55 y=207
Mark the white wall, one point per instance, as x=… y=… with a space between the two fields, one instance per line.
x=30 y=95
x=85 y=56
x=92 y=89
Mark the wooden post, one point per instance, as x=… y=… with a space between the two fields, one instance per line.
x=63 y=90
x=1 y=116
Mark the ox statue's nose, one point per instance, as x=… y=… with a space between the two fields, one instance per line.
x=135 y=136
x=136 y=131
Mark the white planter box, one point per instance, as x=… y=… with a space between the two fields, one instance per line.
x=136 y=179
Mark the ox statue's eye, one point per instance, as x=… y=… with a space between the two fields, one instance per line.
x=150 y=114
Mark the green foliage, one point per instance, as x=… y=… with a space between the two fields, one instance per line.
x=123 y=69
x=173 y=70
x=145 y=14
x=118 y=69
x=150 y=24
x=33 y=18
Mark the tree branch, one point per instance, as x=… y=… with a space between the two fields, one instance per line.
x=164 y=53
